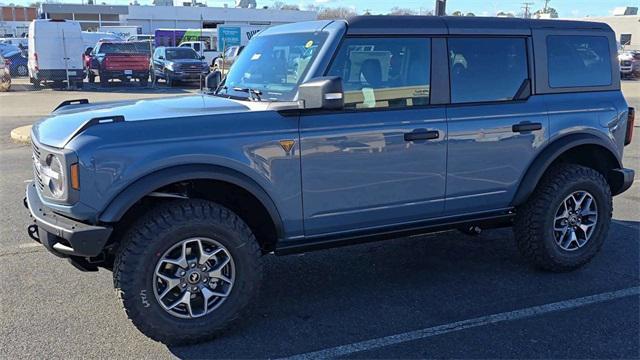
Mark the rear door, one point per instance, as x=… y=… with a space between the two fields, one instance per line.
x=495 y=128
x=381 y=161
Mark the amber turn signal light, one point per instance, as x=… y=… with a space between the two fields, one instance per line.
x=75 y=177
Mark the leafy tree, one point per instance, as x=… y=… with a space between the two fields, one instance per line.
x=471 y=14
x=553 y=13
x=505 y=14
x=457 y=13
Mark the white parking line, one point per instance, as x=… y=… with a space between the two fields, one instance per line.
x=29 y=245
x=465 y=324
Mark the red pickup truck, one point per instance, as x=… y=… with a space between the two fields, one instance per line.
x=118 y=60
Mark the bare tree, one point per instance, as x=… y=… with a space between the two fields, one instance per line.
x=553 y=13
x=334 y=13
x=396 y=10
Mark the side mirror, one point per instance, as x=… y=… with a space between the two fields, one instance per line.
x=213 y=80
x=88 y=51
x=202 y=57
x=321 y=93
x=160 y=57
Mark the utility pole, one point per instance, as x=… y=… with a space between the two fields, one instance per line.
x=525 y=6
x=441 y=7
x=546 y=5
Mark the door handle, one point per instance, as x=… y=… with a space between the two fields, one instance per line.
x=421 y=134
x=522 y=127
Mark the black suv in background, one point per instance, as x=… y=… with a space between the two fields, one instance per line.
x=178 y=64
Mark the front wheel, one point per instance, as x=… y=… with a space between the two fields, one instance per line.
x=187 y=270
x=565 y=221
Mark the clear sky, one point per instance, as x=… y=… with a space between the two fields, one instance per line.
x=566 y=8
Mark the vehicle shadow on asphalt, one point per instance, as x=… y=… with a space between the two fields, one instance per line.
x=335 y=297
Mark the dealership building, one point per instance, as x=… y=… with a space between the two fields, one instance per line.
x=150 y=18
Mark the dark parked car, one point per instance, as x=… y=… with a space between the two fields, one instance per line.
x=369 y=133
x=117 y=60
x=19 y=62
x=178 y=64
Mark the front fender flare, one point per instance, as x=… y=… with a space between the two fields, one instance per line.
x=551 y=153
x=150 y=182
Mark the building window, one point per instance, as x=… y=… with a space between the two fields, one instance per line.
x=384 y=72
x=486 y=69
x=625 y=39
x=576 y=61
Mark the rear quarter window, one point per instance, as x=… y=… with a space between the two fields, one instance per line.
x=578 y=61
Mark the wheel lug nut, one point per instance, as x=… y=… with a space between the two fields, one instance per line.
x=195 y=288
x=182 y=273
x=193 y=265
x=184 y=285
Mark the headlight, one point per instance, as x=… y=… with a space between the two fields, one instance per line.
x=171 y=67
x=54 y=176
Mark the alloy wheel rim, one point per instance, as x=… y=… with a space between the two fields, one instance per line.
x=22 y=70
x=575 y=221
x=194 y=277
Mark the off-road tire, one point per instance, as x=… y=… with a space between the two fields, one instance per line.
x=533 y=226
x=144 y=81
x=159 y=230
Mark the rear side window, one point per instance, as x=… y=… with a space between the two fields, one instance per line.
x=486 y=69
x=578 y=61
x=384 y=72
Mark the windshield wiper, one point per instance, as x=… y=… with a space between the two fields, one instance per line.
x=253 y=93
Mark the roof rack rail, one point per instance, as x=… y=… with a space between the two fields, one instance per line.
x=71 y=102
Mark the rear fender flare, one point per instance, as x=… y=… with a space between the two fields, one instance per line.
x=550 y=154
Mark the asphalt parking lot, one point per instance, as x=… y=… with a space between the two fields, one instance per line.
x=443 y=295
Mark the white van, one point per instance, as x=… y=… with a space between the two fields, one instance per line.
x=55 y=52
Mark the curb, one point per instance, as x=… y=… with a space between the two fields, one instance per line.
x=21 y=134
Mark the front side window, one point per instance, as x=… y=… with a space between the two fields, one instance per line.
x=384 y=72
x=576 y=61
x=272 y=66
x=486 y=69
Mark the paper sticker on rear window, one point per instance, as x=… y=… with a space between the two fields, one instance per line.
x=308 y=44
x=256 y=56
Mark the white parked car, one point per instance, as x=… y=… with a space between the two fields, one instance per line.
x=55 y=52
x=5 y=75
x=629 y=64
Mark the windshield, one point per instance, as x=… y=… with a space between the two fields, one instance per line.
x=273 y=65
x=181 y=53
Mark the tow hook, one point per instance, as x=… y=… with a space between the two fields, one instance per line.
x=33 y=232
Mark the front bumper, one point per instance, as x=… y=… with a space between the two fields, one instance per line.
x=622 y=180
x=62 y=236
x=180 y=76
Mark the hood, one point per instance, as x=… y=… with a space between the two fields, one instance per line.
x=67 y=122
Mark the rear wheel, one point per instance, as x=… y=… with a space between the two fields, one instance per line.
x=144 y=81
x=187 y=270
x=91 y=78
x=565 y=221
x=104 y=81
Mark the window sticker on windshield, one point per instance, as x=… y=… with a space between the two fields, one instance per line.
x=308 y=44
x=256 y=56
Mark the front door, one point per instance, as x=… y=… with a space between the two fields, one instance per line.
x=382 y=161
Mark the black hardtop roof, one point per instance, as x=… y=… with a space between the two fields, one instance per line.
x=444 y=25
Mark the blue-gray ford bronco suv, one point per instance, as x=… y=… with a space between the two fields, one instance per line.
x=327 y=133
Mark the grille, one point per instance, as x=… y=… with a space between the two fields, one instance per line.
x=626 y=63
x=38 y=160
x=191 y=69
